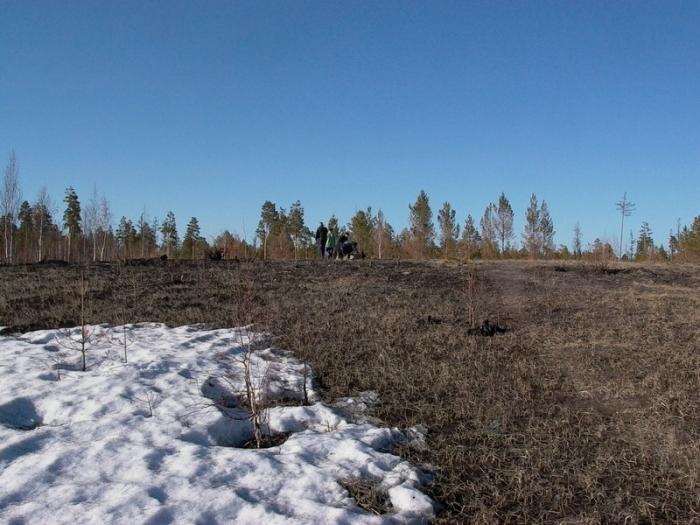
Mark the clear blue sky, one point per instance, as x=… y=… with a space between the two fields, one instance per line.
x=210 y=108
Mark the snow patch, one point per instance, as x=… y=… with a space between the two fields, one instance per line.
x=156 y=440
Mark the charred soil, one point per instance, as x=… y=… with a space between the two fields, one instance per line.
x=585 y=408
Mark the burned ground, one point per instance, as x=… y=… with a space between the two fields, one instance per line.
x=586 y=409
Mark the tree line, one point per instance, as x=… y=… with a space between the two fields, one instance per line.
x=36 y=231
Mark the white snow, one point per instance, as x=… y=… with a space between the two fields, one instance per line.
x=158 y=440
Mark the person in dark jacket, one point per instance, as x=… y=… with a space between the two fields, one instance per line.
x=342 y=239
x=349 y=249
x=321 y=236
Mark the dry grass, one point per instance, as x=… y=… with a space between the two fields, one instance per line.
x=367 y=495
x=587 y=410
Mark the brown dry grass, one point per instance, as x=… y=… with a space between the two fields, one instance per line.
x=586 y=411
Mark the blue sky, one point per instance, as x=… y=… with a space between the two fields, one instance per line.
x=210 y=108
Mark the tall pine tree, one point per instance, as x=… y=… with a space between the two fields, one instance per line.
x=361 y=228
x=470 y=237
x=689 y=240
x=25 y=233
x=504 y=222
x=546 y=229
x=193 y=241
x=71 y=218
x=297 y=229
x=645 y=242
x=125 y=237
x=269 y=219
x=168 y=230
x=531 y=233
x=421 y=225
x=449 y=229
x=489 y=231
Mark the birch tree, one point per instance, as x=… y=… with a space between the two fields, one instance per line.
x=105 y=220
x=91 y=221
x=42 y=220
x=9 y=203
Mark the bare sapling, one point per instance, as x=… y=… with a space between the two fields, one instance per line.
x=306 y=372
x=125 y=340
x=247 y=382
x=56 y=359
x=255 y=384
x=86 y=334
x=150 y=400
x=127 y=302
x=471 y=293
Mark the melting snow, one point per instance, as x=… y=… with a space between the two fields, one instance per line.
x=157 y=440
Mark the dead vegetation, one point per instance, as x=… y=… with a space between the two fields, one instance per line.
x=367 y=495
x=585 y=410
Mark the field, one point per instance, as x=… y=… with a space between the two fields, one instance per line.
x=586 y=409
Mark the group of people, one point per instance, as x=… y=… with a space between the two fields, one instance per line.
x=331 y=247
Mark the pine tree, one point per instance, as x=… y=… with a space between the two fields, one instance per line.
x=280 y=233
x=126 y=237
x=168 y=230
x=421 y=225
x=71 y=217
x=155 y=228
x=269 y=217
x=296 y=227
x=333 y=225
x=546 y=229
x=449 y=229
x=504 y=222
x=489 y=233
x=25 y=232
x=145 y=235
x=193 y=241
x=689 y=240
x=471 y=237
x=406 y=244
x=597 y=247
x=645 y=242
x=672 y=244
x=531 y=234
x=361 y=228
